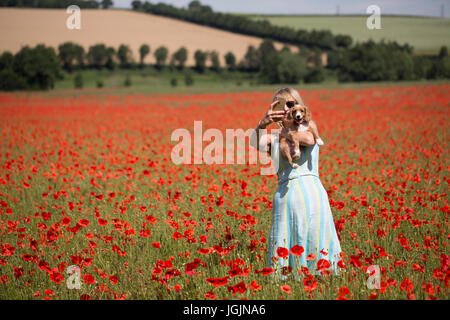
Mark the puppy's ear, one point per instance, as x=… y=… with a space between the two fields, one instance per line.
x=291 y=113
x=308 y=115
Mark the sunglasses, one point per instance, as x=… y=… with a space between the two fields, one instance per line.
x=290 y=104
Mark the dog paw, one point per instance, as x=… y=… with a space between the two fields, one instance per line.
x=319 y=142
x=295 y=166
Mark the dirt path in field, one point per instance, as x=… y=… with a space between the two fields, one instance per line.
x=24 y=26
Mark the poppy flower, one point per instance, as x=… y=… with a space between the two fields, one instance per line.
x=102 y=222
x=88 y=278
x=255 y=286
x=297 y=250
x=156 y=244
x=286 y=288
x=282 y=252
x=217 y=282
x=83 y=222
x=56 y=277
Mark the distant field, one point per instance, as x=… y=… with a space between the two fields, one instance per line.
x=24 y=26
x=426 y=35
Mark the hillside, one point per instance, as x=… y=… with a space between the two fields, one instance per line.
x=26 y=26
x=425 y=34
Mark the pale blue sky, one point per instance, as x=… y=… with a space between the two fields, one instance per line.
x=406 y=7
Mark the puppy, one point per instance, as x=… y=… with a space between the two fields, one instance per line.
x=299 y=119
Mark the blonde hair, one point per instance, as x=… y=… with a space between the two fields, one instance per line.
x=283 y=93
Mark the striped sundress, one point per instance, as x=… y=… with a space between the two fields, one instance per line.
x=301 y=215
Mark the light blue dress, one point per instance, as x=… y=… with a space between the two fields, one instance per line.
x=301 y=214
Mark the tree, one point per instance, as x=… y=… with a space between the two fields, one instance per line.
x=6 y=60
x=215 y=63
x=251 y=60
x=315 y=75
x=180 y=57
x=137 y=5
x=197 y=7
x=270 y=59
x=291 y=68
x=333 y=60
x=266 y=50
x=161 y=56
x=70 y=52
x=443 y=52
x=370 y=61
x=110 y=54
x=200 y=60
x=97 y=55
x=10 y=80
x=106 y=4
x=343 y=41
x=124 y=55
x=40 y=66
x=143 y=51
x=230 y=61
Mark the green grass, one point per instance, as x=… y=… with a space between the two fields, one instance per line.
x=150 y=81
x=426 y=35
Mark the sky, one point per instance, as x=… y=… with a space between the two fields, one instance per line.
x=403 y=7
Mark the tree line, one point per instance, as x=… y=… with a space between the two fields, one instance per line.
x=87 y=4
x=204 y=15
x=39 y=67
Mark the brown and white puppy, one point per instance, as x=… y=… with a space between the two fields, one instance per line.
x=298 y=119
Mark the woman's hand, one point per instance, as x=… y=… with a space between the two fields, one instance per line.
x=272 y=116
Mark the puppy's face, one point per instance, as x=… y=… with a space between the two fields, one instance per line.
x=300 y=113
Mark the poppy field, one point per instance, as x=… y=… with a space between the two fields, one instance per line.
x=92 y=206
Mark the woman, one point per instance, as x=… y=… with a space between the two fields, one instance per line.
x=301 y=211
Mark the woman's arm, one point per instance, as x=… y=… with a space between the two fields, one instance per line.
x=306 y=138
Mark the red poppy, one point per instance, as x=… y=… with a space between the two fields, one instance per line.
x=238 y=288
x=297 y=250
x=113 y=279
x=210 y=295
x=49 y=292
x=407 y=285
x=311 y=256
x=255 y=286
x=176 y=235
x=56 y=277
x=322 y=264
x=309 y=283
x=282 y=252
x=88 y=278
x=83 y=222
x=286 y=288
x=216 y=282
x=190 y=267
x=102 y=222
x=205 y=250
x=265 y=271
x=156 y=244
